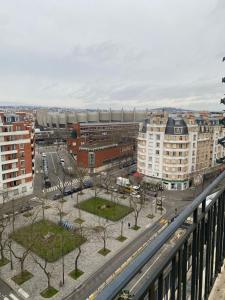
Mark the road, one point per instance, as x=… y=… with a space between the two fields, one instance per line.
x=6 y=293
x=100 y=276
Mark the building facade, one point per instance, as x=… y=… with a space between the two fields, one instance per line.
x=16 y=156
x=101 y=134
x=178 y=150
x=99 y=158
x=50 y=119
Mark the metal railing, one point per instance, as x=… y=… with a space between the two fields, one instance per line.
x=204 y=237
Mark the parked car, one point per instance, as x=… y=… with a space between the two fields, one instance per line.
x=57 y=196
x=76 y=189
x=67 y=191
x=87 y=184
x=25 y=208
x=47 y=183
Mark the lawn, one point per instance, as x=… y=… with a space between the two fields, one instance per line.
x=45 y=239
x=105 y=208
x=49 y=292
x=22 y=277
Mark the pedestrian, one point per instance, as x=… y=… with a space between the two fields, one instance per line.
x=128 y=225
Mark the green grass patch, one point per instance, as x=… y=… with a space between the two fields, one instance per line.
x=150 y=216
x=47 y=206
x=27 y=214
x=79 y=221
x=3 y=262
x=22 y=277
x=76 y=274
x=63 y=214
x=46 y=239
x=105 y=208
x=104 y=252
x=49 y=292
x=135 y=227
x=62 y=200
x=121 y=238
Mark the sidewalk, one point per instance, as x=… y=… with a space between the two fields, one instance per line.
x=218 y=290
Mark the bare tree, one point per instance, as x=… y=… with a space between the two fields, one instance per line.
x=137 y=205
x=103 y=232
x=3 y=239
x=106 y=180
x=82 y=235
x=81 y=174
x=44 y=267
x=31 y=239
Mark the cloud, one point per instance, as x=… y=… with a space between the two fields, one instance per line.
x=121 y=54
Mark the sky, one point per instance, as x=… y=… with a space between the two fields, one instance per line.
x=115 y=54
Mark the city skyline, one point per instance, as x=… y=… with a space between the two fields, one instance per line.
x=92 y=55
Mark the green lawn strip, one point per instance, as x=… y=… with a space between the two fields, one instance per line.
x=79 y=221
x=135 y=227
x=104 y=252
x=22 y=277
x=150 y=216
x=46 y=239
x=121 y=238
x=47 y=206
x=76 y=274
x=105 y=208
x=27 y=214
x=49 y=292
x=3 y=262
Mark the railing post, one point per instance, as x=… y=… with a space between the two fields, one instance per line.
x=202 y=250
x=179 y=274
x=194 y=256
x=173 y=278
x=212 y=268
x=160 y=287
x=184 y=271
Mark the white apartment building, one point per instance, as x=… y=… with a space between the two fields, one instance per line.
x=16 y=157
x=174 y=150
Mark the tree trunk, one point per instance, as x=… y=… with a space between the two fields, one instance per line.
x=1 y=251
x=49 y=278
x=22 y=265
x=121 y=229
x=76 y=260
x=136 y=219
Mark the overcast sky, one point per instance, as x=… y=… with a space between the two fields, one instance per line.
x=117 y=53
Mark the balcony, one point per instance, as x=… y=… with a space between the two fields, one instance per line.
x=10 y=171
x=192 y=262
x=10 y=161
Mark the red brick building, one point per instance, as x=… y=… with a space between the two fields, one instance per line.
x=101 y=157
x=16 y=156
x=101 y=133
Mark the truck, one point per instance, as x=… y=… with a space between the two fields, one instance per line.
x=124 y=185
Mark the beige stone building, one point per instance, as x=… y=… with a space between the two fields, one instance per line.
x=178 y=150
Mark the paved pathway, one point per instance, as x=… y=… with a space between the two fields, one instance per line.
x=218 y=291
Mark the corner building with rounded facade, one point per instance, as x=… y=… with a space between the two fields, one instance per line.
x=177 y=150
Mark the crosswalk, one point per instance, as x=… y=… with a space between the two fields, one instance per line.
x=75 y=182
x=11 y=297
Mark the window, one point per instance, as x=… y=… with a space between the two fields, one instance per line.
x=158 y=136
x=21 y=146
x=16 y=192
x=178 y=130
x=157 y=144
x=22 y=163
x=24 y=189
x=21 y=154
x=157 y=152
x=23 y=171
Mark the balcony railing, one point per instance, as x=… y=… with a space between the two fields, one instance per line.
x=191 y=273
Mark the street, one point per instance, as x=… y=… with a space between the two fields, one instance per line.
x=6 y=293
